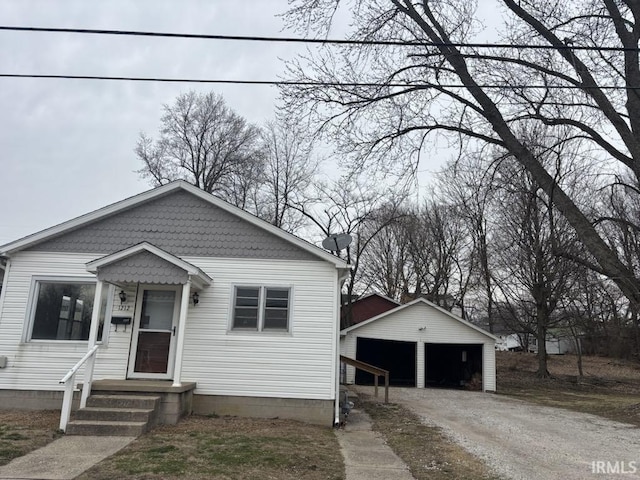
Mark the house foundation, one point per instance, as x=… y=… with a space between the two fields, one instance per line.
x=318 y=412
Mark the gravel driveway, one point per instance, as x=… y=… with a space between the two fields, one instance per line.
x=524 y=441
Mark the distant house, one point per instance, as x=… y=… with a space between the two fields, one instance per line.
x=181 y=292
x=370 y=306
x=509 y=342
x=422 y=345
x=556 y=344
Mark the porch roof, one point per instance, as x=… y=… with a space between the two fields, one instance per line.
x=146 y=263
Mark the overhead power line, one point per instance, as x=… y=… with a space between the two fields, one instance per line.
x=327 y=41
x=302 y=83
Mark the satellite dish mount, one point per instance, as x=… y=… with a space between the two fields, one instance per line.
x=336 y=242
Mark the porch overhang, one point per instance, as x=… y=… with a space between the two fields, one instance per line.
x=146 y=263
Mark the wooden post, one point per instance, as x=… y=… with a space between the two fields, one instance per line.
x=386 y=387
x=375 y=382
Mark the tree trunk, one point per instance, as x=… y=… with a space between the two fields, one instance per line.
x=579 y=351
x=541 y=335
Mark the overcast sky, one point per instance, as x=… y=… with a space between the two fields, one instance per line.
x=67 y=145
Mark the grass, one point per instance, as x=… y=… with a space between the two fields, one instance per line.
x=23 y=431
x=609 y=388
x=227 y=448
x=429 y=454
x=233 y=448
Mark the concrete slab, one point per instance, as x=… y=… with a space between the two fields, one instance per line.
x=376 y=473
x=63 y=459
x=374 y=456
x=366 y=455
x=359 y=439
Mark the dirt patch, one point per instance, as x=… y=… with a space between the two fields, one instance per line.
x=429 y=454
x=609 y=387
x=227 y=448
x=22 y=431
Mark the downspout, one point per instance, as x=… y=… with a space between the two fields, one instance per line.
x=343 y=274
x=5 y=265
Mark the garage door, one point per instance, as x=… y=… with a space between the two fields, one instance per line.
x=451 y=365
x=397 y=357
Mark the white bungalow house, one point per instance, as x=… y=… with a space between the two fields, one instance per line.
x=180 y=293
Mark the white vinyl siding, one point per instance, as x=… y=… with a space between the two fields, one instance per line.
x=300 y=364
x=422 y=323
x=39 y=365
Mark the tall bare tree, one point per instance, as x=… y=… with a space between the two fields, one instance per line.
x=382 y=99
x=201 y=140
x=357 y=207
x=386 y=266
x=469 y=185
x=288 y=176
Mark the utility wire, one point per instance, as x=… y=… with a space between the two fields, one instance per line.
x=305 y=83
x=302 y=83
x=326 y=41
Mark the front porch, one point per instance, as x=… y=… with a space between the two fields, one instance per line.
x=155 y=293
x=175 y=401
x=131 y=407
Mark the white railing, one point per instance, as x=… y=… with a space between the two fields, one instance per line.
x=69 y=382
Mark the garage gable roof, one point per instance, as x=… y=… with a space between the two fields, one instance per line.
x=415 y=302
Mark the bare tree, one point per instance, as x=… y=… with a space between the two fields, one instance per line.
x=204 y=142
x=438 y=248
x=468 y=184
x=359 y=208
x=386 y=266
x=532 y=274
x=288 y=176
x=382 y=99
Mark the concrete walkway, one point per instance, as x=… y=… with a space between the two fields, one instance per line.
x=366 y=455
x=63 y=459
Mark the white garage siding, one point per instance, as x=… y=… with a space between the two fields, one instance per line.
x=300 y=364
x=422 y=322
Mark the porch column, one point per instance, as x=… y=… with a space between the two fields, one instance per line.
x=93 y=339
x=182 y=323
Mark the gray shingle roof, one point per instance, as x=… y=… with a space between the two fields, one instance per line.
x=143 y=267
x=181 y=224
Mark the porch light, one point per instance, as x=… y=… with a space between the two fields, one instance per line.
x=123 y=296
x=196 y=298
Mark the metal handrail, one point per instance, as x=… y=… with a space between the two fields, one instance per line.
x=68 y=381
x=376 y=371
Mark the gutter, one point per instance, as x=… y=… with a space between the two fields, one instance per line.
x=343 y=274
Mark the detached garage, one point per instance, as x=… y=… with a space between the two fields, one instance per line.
x=422 y=345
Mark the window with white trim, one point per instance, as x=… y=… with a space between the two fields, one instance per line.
x=62 y=310
x=261 y=308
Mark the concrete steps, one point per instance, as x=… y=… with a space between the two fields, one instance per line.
x=115 y=415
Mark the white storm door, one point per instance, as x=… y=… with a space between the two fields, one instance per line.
x=154 y=333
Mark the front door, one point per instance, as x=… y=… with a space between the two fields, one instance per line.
x=155 y=323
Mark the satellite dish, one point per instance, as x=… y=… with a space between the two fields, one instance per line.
x=337 y=241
